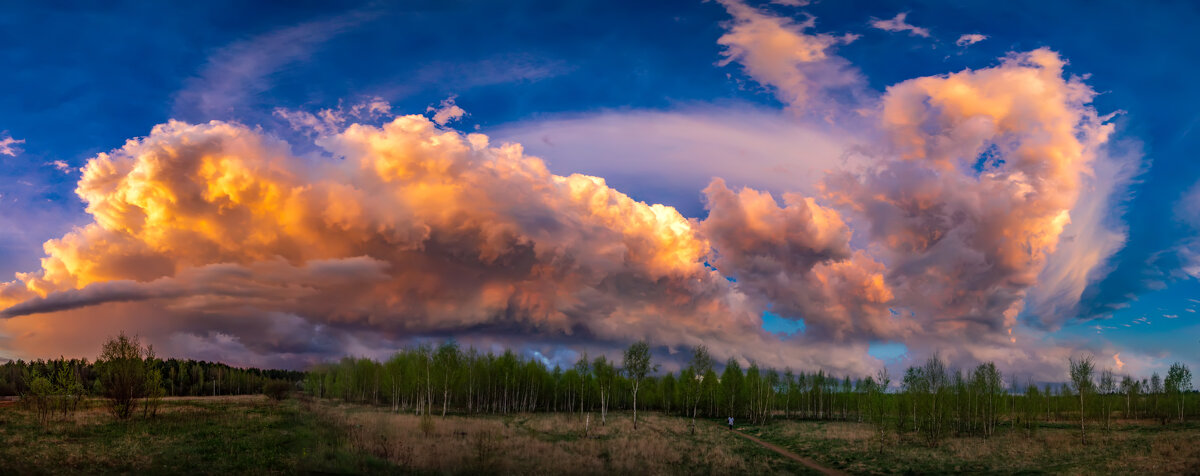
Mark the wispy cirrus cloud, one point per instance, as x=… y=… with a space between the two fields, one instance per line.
x=234 y=76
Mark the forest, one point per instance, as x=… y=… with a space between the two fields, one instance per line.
x=932 y=400
x=178 y=378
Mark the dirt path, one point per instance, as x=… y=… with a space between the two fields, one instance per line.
x=793 y=456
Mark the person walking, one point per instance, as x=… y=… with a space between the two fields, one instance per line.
x=730 y=423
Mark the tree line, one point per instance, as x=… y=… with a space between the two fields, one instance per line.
x=929 y=401
x=127 y=374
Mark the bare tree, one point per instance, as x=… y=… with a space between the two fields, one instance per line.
x=637 y=366
x=1081 y=379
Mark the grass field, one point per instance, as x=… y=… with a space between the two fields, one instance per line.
x=198 y=435
x=1142 y=447
x=254 y=435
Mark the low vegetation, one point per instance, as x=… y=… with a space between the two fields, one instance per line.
x=1130 y=447
x=543 y=443
x=220 y=435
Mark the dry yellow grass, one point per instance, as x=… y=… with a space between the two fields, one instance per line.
x=550 y=444
x=1129 y=448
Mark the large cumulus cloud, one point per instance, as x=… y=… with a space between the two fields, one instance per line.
x=408 y=230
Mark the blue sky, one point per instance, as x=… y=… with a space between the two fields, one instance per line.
x=82 y=79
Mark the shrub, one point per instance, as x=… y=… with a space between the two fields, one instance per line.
x=127 y=375
x=277 y=390
x=426 y=424
x=40 y=397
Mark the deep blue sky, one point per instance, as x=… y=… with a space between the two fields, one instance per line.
x=80 y=79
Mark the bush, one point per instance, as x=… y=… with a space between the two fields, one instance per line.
x=127 y=375
x=277 y=390
x=40 y=397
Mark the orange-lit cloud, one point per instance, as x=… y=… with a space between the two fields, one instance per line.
x=982 y=170
x=415 y=231
x=798 y=258
x=777 y=52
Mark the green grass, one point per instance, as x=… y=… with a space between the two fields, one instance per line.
x=223 y=435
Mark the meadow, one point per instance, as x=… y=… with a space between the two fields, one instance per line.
x=254 y=434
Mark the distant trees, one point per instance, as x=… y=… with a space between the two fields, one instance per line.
x=56 y=390
x=732 y=387
x=934 y=400
x=78 y=378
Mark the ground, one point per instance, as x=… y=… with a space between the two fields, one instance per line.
x=195 y=435
x=1130 y=447
x=254 y=435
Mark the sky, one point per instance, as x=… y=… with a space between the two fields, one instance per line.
x=829 y=184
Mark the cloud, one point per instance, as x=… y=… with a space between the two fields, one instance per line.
x=970 y=39
x=61 y=165
x=798 y=258
x=414 y=231
x=971 y=193
x=7 y=146
x=1171 y=316
x=669 y=155
x=235 y=75
x=956 y=203
x=792 y=3
x=1187 y=211
x=446 y=112
x=330 y=121
x=898 y=24
x=777 y=52
x=1087 y=244
x=1117 y=359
